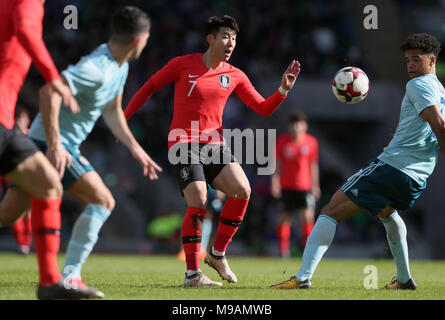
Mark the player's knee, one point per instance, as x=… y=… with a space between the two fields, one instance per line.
x=198 y=201
x=243 y=192
x=328 y=211
x=107 y=201
x=52 y=189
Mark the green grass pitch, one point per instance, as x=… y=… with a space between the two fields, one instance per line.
x=128 y=277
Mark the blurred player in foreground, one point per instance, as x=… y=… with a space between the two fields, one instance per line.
x=20 y=160
x=203 y=83
x=398 y=176
x=97 y=81
x=296 y=180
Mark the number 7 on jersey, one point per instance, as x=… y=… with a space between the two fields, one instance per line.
x=193 y=82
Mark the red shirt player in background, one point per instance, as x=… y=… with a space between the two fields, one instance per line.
x=296 y=180
x=203 y=83
x=20 y=161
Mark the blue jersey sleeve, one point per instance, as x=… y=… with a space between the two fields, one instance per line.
x=421 y=94
x=85 y=75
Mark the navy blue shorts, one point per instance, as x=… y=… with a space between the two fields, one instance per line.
x=79 y=164
x=379 y=185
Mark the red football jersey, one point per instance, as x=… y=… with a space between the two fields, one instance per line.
x=295 y=159
x=201 y=95
x=20 y=43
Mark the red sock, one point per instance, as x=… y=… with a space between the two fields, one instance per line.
x=283 y=236
x=306 y=229
x=45 y=220
x=191 y=236
x=18 y=230
x=232 y=215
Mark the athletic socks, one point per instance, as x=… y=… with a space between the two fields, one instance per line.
x=396 y=235
x=231 y=216
x=46 y=223
x=84 y=236
x=191 y=233
x=317 y=243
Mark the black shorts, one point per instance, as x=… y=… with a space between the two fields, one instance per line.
x=199 y=162
x=14 y=148
x=294 y=200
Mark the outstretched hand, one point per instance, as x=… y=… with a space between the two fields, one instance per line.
x=149 y=167
x=290 y=75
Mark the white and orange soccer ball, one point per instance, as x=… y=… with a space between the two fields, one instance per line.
x=350 y=85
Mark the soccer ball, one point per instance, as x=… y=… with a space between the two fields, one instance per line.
x=350 y=85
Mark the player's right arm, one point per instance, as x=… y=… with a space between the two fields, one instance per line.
x=50 y=102
x=169 y=73
x=27 y=20
x=426 y=102
x=434 y=117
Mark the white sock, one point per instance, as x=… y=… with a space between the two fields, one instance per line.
x=192 y=272
x=218 y=253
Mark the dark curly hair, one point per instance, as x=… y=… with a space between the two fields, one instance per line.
x=214 y=23
x=423 y=41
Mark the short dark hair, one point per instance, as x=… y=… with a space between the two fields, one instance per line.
x=214 y=23
x=423 y=41
x=297 y=116
x=127 y=23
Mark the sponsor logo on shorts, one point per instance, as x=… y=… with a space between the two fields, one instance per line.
x=84 y=161
x=354 y=192
x=185 y=173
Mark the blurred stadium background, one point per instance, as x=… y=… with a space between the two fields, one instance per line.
x=324 y=36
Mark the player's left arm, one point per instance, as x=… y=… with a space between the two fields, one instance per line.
x=115 y=119
x=434 y=117
x=255 y=100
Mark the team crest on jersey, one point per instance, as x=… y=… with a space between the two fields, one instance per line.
x=224 y=80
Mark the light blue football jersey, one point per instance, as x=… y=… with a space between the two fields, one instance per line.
x=414 y=147
x=94 y=81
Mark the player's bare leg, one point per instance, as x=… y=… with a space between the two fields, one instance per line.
x=234 y=183
x=14 y=205
x=37 y=178
x=339 y=208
